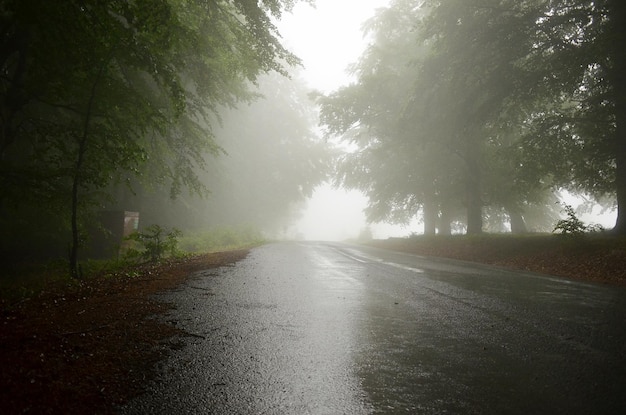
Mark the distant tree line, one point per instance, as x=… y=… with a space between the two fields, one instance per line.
x=473 y=111
x=273 y=159
x=98 y=94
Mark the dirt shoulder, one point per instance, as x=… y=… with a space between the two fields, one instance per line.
x=600 y=259
x=90 y=348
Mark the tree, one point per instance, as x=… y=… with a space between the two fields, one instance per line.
x=616 y=39
x=470 y=81
x=578 y=131
x=431 y=108
x=516 y=99
x=272 y=161
x=387 y=164
x=92 y=91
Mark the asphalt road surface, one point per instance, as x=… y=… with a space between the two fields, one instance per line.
x=322 y=328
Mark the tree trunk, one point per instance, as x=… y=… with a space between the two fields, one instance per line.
x=76 y=182
x=620 y=179
x=474 y=213
x=445 y=226
x=430 y=218
x=618 y=79
x=473 y=190
x=518 y=226
x=77 y=176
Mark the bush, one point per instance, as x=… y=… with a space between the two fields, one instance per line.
x=573 y=226
x=570 y=225
x=156 y=242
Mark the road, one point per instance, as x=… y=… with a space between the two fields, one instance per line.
x=327 y=328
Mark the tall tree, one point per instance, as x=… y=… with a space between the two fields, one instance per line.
x=431 y=104
x=578 y=121
x=616 y=39
x=470 y=79
x=91 y=90
x=390 y=164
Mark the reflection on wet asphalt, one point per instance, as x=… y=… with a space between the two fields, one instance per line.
x=318 y=328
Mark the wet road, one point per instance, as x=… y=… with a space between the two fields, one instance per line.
x=319 y=328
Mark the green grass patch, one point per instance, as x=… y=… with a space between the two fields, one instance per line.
x=220 y=239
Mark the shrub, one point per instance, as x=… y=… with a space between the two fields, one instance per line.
x=571 y=225
x=156 y=242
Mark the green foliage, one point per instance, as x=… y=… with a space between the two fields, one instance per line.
x=573 y=226
x=219 y=239
x=273 y=161
x=393 y=163
x=96 y=93
x=484 y=106
x=156 y=243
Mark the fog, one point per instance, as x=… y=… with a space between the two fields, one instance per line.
x=328 y=37
x=276 y=171
x=337 y=215
x=332 y=213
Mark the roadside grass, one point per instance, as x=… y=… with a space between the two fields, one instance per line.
x=19 y=281
x=221 y=239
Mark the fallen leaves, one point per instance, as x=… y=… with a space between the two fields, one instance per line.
x=599 y=259
x=91 y=347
